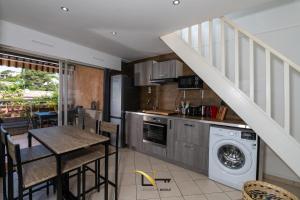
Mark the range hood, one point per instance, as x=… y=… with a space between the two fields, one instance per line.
x=163 y=80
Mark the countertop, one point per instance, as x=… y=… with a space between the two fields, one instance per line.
x=231 y=123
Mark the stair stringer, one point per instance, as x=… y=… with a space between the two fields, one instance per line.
x=283 y=144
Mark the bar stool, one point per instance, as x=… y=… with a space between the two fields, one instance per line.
x=98 y=152
x=30 y=174
x=27 y=155
x=40 y=171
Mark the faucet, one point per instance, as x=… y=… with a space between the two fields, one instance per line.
x=148 y=101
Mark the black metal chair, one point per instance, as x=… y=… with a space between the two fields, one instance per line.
x=30 y=174
x=40 y=171
x=27 y=155
x=98 y=152
x=2 y=164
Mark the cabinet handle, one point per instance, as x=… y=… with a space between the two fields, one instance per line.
x=162 y=75
x=170 y=124
x=190 y=125
x=188 y=146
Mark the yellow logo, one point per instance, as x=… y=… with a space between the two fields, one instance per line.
x=148 y=177
x=152 y=180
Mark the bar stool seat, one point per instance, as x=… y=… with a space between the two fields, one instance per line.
x=38 y=171
x=75 y=160
x=41 y=170
x=100 y=150
x=83 y=157
x=34 y=153
x=79 y=158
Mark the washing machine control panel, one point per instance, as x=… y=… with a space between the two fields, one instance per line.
x=248 y=135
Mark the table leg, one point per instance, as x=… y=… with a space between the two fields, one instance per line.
x=106 y=172
x=10 y=180
x=29 y=136
x=2 y=160
x=59 y=195
x=40 y=118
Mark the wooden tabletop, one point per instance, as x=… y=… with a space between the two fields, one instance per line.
x=63 y=139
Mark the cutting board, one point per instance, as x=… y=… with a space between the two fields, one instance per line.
x=160 y=112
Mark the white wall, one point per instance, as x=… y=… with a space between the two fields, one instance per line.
x=26 y=39
x=279 y=27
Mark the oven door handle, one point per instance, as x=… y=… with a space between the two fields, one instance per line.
x=152 y=124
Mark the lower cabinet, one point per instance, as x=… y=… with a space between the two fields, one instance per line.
x=170 y=139
x=187 y=141
x=134 y=131
x=153 y=149
x=191 y=141
x=185 y=153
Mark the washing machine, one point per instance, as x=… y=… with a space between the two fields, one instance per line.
x=234 y=156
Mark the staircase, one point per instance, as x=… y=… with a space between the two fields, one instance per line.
x=225 y=57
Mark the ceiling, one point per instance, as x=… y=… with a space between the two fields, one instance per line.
x=138 y=23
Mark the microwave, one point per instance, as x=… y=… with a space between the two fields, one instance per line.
x=190 y=82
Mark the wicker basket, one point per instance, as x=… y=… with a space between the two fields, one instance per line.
x=258 y=190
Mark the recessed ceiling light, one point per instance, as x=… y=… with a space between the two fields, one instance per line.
x=64 y=9
x=114 y=33
x=176 y=2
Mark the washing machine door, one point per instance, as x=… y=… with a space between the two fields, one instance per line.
x=232 y=157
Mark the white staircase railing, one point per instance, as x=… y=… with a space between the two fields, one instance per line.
x=268 y=51
x=209 y=45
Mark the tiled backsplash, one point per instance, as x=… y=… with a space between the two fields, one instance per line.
x=168 y=96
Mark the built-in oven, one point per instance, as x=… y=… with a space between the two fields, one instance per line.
x=155 y=130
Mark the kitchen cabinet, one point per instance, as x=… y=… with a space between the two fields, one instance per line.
x=167 y=69
x=154 y=149
x=194 y=132
x=193 y=156
x=188 y=132
x=191 y=141
x=143 y=73
x=185 y=153
x=134 y=131
x=170 y=139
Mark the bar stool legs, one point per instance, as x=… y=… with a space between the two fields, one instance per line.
x=47 y=192
x=30 y=193
x=4 y=186
x=78 y=183
x=10 y=182
x=98 y=175
x=83 y=182
x=116 y=174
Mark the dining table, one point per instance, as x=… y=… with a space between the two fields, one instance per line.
x=62 y=140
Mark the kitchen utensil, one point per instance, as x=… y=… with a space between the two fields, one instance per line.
x=213 y=111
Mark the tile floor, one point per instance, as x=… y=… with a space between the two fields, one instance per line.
x=184 y=184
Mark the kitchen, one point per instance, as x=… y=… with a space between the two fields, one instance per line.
x=174 y=114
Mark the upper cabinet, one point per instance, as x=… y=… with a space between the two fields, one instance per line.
x=167 y=69
x=144 y=72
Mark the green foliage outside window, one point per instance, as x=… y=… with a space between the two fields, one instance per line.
x=12 y=86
